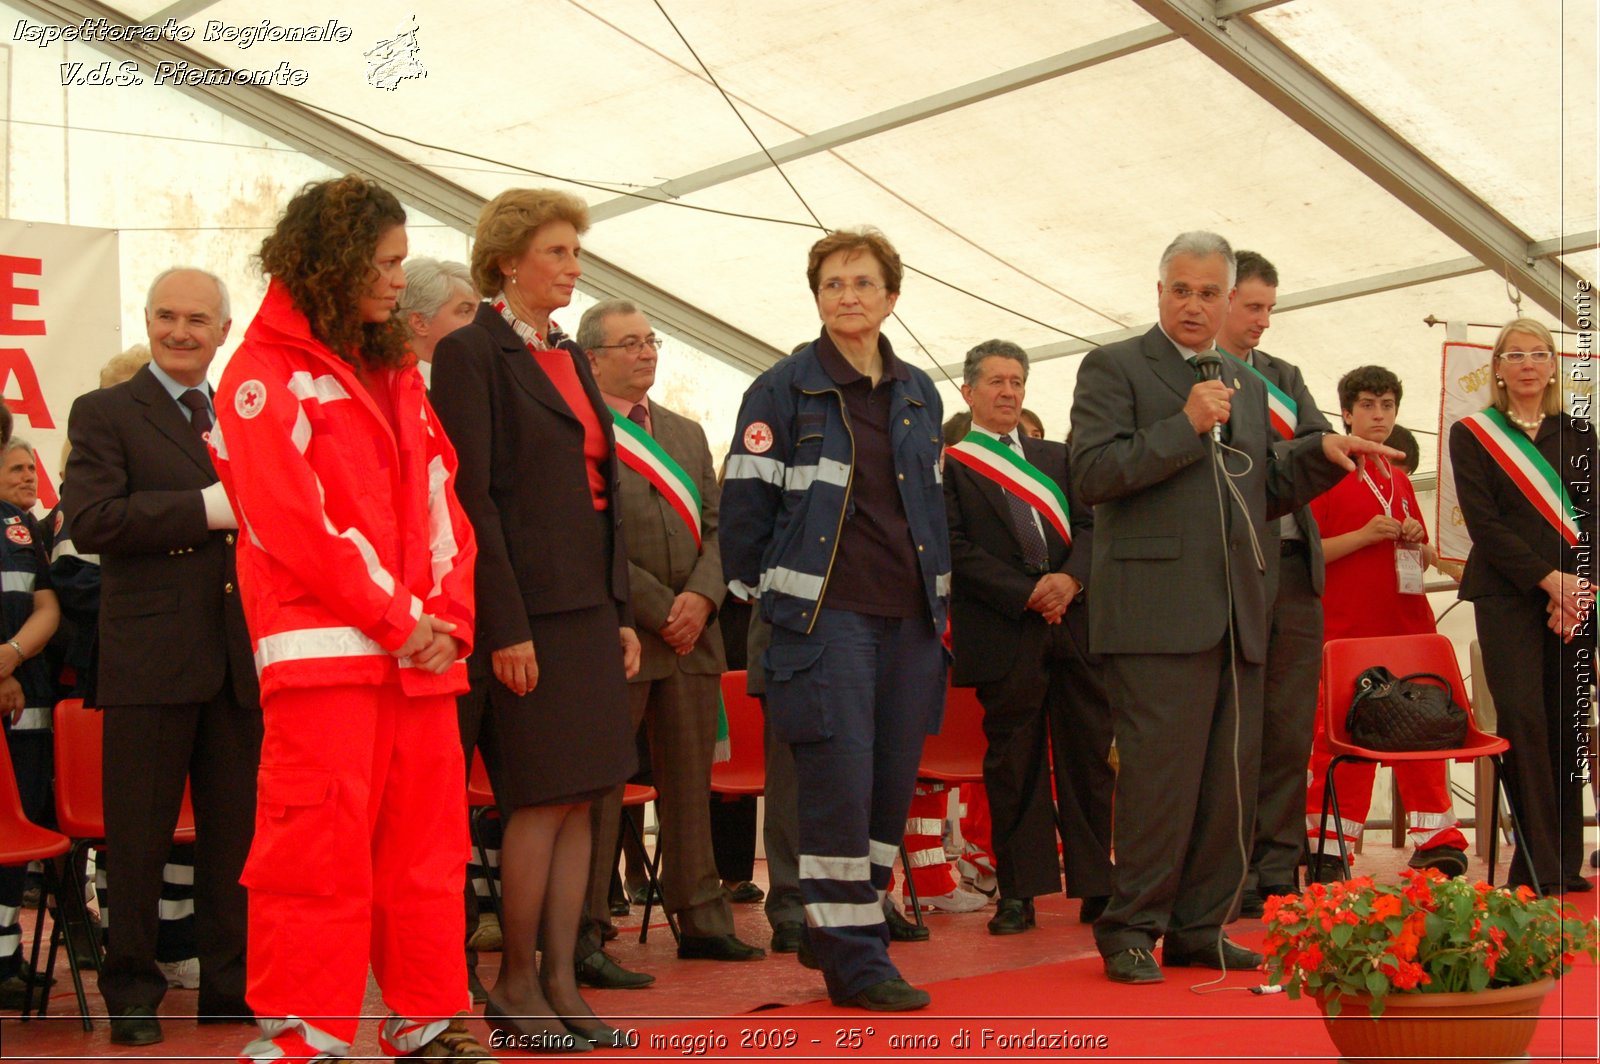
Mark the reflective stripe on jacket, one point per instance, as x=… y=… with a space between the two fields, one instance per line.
x=350 y=528
x=786 y=490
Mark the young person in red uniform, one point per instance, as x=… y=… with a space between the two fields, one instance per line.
x=1376 y=550
x=355 y=567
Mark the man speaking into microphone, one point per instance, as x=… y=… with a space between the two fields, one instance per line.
x=1179 y=610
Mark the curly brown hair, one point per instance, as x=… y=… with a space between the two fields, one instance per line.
x=322 y=251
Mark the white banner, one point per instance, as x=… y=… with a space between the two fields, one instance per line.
x=60 y=320
x=1468 y=387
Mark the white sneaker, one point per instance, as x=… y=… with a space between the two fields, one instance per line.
x=957 y=901
x=182 y=975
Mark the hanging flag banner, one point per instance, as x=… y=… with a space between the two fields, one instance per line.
x=60 y=320
x=1467 y=387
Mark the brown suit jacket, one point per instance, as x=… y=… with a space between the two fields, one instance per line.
x=662 y=559
x=132 y=489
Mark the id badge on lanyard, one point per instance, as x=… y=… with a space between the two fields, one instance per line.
x=1408 y=563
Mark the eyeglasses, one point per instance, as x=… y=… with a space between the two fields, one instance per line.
x=1184 y=292
x=862 y=286
x=1536 y=357
x=635 y=345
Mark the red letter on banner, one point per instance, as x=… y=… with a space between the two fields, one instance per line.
x=30 y=404
x=47 y=490
x=11 y=296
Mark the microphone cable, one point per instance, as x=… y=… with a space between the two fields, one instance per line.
x=1220 y=476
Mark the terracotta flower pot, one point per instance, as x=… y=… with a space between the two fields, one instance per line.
x=1487 y=1026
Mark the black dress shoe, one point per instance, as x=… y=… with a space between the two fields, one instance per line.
x=136 y=1026
x=746 y=893
x=717 y=948
x=1447 y=859
x=901 y=929
x=224 y=1010
x=1092 y=907
x=532 y=1034
x=639 y=894
x=1233 y=958
x=603 y=973
x=891 y=995
x=1577 y=884
x=621 y=907
x=786 y=937
x=1133 y=966
x=1012 y=916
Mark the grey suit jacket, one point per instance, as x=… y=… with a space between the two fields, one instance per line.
x=1161 y=571
x=1287 y=376
x=662 y=559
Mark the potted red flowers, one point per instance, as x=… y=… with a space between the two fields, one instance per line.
x=1426 y=948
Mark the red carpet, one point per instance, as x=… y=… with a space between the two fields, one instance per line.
x=1040 y=995
x=1069 y=1009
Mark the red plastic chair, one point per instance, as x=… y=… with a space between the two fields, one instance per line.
x=23 y=841
x=1343 y=660
x=745 y=773
x=953 y=756
x=638 y=794
x=80 y=798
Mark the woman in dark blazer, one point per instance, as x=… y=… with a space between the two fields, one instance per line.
x=1530 y=585
x=538 y=479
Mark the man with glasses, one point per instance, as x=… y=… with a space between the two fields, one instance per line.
x=669 y=497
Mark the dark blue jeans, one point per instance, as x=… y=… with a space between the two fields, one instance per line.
x=854 y=700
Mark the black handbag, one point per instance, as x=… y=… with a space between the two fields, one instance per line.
x=1390 y=713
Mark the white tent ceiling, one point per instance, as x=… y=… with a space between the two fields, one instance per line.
x=1395 y=158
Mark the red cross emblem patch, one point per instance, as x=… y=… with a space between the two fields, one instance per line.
x=758 y=437
x=250 y=399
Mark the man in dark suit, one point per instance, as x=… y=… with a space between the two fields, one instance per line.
x=668 y=498
x=1020 y=631
x=1179 y=609
x=142 y=493
x=1294 y=641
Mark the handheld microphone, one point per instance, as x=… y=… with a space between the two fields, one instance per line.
x=1209 y=363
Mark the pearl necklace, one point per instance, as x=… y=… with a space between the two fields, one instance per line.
x=1526 y=426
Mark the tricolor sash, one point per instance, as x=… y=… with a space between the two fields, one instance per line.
x=642 y=454
x=989 y=458
x=722 y=750
x=1516 y=455
x=1282 y=410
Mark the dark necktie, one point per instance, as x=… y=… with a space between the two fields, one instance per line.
x=638 y=416
x=199 y=411
x=1035 y=555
